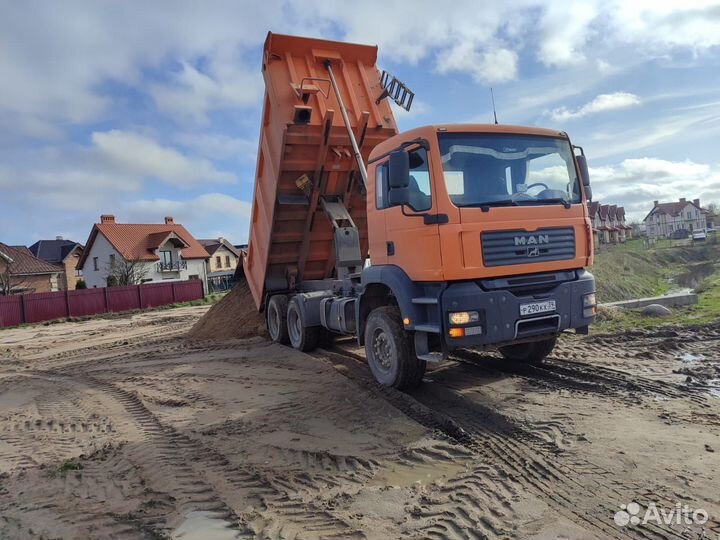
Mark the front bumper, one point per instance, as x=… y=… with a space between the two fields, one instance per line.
x=499 y=310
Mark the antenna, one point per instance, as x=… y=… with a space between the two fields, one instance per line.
x=492 y=97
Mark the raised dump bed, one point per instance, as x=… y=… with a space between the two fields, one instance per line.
x=305 y=153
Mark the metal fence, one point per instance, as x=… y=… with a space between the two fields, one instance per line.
x=38 y=307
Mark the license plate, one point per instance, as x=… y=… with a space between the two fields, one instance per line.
x=537 y=307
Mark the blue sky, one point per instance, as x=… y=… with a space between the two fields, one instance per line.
x=147 y=109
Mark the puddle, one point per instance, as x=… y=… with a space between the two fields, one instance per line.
x=689 y=357
x=202 y=525
x=714 y=389
x=424 y=474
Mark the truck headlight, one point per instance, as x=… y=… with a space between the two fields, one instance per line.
x=589 y=305
x=463 y=317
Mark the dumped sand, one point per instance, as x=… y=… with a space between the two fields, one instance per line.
x=235 y=316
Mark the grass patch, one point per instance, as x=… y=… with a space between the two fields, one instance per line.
x=706 y=311
x=631 y=270
x=70 y=465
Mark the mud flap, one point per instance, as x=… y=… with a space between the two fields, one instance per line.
x=422 y=349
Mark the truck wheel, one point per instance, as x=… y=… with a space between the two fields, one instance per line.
x=530 y=353
x=303 y=338
x=277 y=319
x=390 y=350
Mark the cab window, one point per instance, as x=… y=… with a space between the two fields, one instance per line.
x=419 y=186
x=420 y=194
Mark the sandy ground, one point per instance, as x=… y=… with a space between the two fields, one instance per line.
x=122 y=428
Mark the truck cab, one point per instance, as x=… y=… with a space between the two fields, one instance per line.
x=481 y=235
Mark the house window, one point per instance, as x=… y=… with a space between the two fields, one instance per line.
x=227 y=261
x=112 y=259
x=218 y=262
x=95 y=264
x=166 y=258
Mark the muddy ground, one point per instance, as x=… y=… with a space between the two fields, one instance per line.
x=121 y=428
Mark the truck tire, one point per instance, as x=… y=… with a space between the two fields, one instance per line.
x=276 y=318
x=530 y=353
x=303 y=338
x=390 y=350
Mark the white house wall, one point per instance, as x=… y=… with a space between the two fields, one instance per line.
x=102 y=249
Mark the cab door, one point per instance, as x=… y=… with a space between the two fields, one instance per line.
x=410 y=243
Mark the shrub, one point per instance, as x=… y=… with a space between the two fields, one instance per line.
x=80 y=284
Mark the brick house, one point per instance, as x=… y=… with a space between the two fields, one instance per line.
x=161 y=252
x=666 y=218
x=21 y=272
x=65 y=254
x=224 y=259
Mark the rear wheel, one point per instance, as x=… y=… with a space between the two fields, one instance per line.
x=277 y=319
x=390 y=350
x=530 y=353
x=303 y=338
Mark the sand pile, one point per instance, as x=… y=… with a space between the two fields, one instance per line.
x=235 y=316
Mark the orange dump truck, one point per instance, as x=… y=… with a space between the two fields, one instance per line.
x=416 y=243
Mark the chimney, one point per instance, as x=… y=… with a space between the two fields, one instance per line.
x=107 y=218
x=221 y=239
x=655 y=203
x=59 y=238
x=696 y=202
x=682 y=199
x=169 y=220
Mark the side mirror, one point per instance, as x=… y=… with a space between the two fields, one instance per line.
x=399 y=173
x=398 y=196
x=582 y=163
x=588 y=193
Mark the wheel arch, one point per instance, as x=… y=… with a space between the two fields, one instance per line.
x=385 y=285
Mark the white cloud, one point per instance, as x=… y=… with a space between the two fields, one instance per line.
x=197 y=214
x=143 y=156
x=193 y=93
x=492 y=65
x=636 y=183
x=564 y=28
x=601 y=103
x=218 y=146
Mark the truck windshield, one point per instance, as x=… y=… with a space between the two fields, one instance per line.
x=498 y=169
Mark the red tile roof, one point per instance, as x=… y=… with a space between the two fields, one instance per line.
x=139 y=241
x=24 y=262
x=673 y=208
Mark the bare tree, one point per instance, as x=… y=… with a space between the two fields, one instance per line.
x=8 y=279
x=123 y=272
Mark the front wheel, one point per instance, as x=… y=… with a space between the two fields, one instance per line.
x=390 y=350
x=530 y=353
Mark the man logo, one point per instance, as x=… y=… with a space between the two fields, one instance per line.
x=532 y=240
x=533 y=251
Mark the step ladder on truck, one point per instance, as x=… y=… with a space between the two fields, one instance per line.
x=415 y=243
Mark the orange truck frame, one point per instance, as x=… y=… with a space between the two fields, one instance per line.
x=416 y=243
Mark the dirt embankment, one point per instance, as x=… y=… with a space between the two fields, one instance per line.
x=235 y=316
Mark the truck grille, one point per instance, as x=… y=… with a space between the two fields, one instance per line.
x=500 y=248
